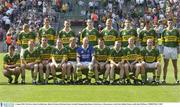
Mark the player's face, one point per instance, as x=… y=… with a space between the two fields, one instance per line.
x=170 y=23
x=44 y=41
x=59 y=42
x=149 y=43
x=31 y=44
x=117 y=44
x=46 y=22
x=26 y=28
x=85 y=41
x=109 y=23
x=11 y=51
x=73 y=42
x=67 y=24
x=131 y=41
x=127 y=23
x=90 y=24
x=101 y=43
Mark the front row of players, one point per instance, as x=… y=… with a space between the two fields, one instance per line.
x=72 y=60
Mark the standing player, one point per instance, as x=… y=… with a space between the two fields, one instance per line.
x=24 y=36
x=48 y=32
x=100 y=61
x=45 y=57
x=30 y=61
x=147 y=33
x=117 y=61
x=59 y=56
x=11 y=66
x=84 y=58
x=66 y=33
x=133 y=62
x=170 y=39
x=90 y=32
x=127 y=33
x=71 y=57
x=151 y=59
x=109 y=34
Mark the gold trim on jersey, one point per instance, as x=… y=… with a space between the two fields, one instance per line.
x=109 y=38
x=145 y=38
x=150 y=58
x=170 y=38
x=101 y=57
x=24 y=41
x=72 y=55
x=125 y=38
x=92 y=38
x=45 y=56
x=49 y=36
x=30 y=60
x=65 y=39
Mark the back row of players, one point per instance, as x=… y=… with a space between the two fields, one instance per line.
x=101 y=53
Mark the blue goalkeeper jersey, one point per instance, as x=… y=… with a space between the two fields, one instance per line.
x=85 y=55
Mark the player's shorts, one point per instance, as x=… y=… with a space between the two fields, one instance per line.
x=170 y=53
x=21 y=53
x=84 y=64
x=72 y=62
x=151 y=65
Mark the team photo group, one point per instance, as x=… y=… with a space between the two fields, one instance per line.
x=93 y=57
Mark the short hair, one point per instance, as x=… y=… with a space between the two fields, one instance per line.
x=101 y=39
x=11 y=47
x=46 y=19
x=25 y=26
x=71 y=39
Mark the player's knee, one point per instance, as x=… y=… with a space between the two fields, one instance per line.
x=40 y=66
x=6 y=73
x=112 y=66
x=35 y=66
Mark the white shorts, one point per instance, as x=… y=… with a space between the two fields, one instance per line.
x=85 y=65
x=151 y=65
x=21 y=53
x=170 y=53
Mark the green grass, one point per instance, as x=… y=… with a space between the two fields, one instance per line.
x=84 y=93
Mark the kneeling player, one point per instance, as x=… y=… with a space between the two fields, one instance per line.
x=45 y=57
x=30 y=60
x=11 y=67
x=133 y=62
x=151 y=57
x=116 y=58
x=71 y=55
x=100 y=61
x=58 y=61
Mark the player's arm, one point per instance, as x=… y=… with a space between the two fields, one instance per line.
x=78 y=58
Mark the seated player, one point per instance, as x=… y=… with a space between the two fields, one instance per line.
x=11 y=65
x=71 y=56
x=117 y=61
x=133 y=62
x=151 y=57
x=100 y=61
x=58 y=61
x=30 y=61
x=45 y=57
x=84 y=58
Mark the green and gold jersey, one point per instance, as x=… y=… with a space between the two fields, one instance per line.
x=30 y=57
x=132 y=54
x=150 y=56
x=50 y=34
x=109 y=36
x=126 y=34
x=59 y=54
x=45 y=52
x=11 y=60
x=65 y=36
x=71 y=53
x=24 y=37
x=170 y=38
x=116 y=55
x=101 y=55
x=144 y=35
x=92 y=35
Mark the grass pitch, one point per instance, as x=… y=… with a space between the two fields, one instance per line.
x=88 y=93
